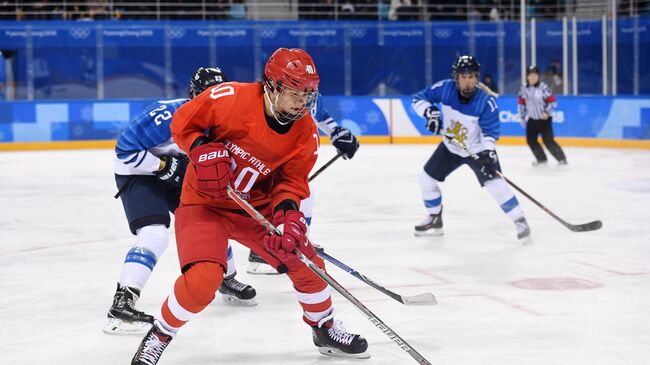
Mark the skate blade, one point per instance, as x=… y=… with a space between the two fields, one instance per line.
x=328 y=351
x=437 y=232
x=118 y=327
x=256 y=268
x=233 y=300
x=528 y=240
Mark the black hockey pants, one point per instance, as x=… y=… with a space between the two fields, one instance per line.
x=534 y=127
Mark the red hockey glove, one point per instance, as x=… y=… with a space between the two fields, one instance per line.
x=213 y=171
x=293 y=226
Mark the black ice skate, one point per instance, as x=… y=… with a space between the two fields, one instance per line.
x=152 y=346
x=430 y=226
x=123 y=318
x=235 y=292
x=257 y=266
x=332 y=339
x=523 y=231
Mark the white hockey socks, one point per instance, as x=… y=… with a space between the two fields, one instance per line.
x=500 y=191
x=151 y=243
x=307 y=207
x=232 y=269
x=431 y=193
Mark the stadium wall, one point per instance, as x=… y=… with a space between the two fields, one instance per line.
x=594 y=121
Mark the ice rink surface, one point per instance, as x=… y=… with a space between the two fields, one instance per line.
x=570 y=298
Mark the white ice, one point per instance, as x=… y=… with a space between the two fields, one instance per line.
x=63 y=239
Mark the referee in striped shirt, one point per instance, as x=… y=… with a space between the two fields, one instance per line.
x=536 y=104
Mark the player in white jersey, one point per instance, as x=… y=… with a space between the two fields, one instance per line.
x=344 y=141
x=149 y=171
x=471 y=117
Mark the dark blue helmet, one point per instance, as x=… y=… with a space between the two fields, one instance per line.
x=465 y=64
x=532 y=69
x=205 y=77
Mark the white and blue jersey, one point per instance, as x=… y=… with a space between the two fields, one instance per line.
x=475 y=123
x=322 y=118
x=146 y=139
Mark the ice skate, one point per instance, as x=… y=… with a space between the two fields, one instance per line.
x=430 y=226
x=332 y=340
x=540 y=163
x=152 y=346
x=123 y=318
x=235 y=292
x=257 y=266
x=523 y=231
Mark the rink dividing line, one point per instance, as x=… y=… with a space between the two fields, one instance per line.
x=9 y=344
x=41 y=248
x=611 y=271
x=492 y=297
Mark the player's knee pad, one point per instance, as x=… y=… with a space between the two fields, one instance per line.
x=154 y=238
x=427 y=183
x=202 y=280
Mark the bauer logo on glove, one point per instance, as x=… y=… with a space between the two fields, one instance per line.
x=212 y=155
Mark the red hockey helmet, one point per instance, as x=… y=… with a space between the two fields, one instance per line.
x=293 y=68
x=291 y=84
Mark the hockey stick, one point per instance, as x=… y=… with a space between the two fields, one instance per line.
x=487 y=90
x=331 y=161
x=333 y=283
x=420 y=299
x=585 y=227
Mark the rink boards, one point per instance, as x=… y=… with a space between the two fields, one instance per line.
x=594 y=121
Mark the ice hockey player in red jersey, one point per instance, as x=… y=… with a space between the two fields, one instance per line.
x=260 y=139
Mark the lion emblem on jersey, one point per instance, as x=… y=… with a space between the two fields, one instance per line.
x=457 y=130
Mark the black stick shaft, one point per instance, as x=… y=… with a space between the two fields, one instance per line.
x=331 y=161
x=321 y=252
x=532 y=199
x=576 y=228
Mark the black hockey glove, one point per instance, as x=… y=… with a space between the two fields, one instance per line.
x=174 y=170
x=434 y=119
x=344 y=141
x=489 y=163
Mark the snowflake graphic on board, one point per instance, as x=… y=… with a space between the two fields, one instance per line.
x=87 y=113
x=347 y=106
x=372 y=117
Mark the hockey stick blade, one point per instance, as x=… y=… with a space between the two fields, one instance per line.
x=586 y=227
x=591 y=226
x=419 y=300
